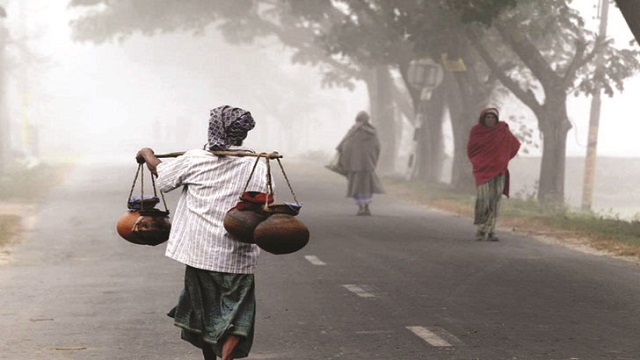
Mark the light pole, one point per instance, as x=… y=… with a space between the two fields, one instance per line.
x=5 y=138
x=424 y=75
x=594 y=118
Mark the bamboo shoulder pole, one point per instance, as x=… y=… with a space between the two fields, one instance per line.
x=271 y=155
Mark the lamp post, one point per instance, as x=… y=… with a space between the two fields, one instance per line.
x=5 y=138
x=424 y=75
x=594 y=119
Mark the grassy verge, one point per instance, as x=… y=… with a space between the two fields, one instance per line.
x=617 y=237
x=22 y=186
x=9 y=228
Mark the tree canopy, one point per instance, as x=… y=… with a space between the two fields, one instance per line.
x=540 y=51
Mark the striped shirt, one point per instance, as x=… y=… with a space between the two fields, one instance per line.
x=211 y=185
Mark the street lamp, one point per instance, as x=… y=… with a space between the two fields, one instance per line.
x=424 y=75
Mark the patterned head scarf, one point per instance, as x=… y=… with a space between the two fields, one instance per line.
x=227 y=126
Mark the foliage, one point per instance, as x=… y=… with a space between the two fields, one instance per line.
x=557 y=56
x=295 y=23
x=524 y=133
x=102 y=21
x=567 y=47
x=479 y=11
x=539 y=50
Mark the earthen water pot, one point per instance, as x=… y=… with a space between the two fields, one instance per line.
x=281 y=232
x=147 y=227
x=152 y=227
x=125 y=225
x=242 y=223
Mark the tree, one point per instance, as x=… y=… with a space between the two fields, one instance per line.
x=631 y=11
x=297 y=24
x=557 y=52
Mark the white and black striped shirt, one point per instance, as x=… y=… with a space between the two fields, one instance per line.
x=211 y=185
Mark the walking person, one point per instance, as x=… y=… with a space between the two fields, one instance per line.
x=359 y=153
x=490 y=148
x=216 y=309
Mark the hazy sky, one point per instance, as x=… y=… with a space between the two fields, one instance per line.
x=109 y=99
x=157 y=92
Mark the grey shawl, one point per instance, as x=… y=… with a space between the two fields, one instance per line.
x=360 y=148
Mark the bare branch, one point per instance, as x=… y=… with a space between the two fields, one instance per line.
x=526 y=96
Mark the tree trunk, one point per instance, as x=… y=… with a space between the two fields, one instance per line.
x=461 y=123
x=430 y=143
x=380 y=84
x=5 y=138
x=630 y=10
x=554 y=126
x=465 y=103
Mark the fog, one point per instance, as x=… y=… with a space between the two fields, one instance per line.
x=69 y=100
x=105 y=102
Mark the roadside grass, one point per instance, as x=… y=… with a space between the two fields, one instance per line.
x=604 y=233
x=9 y=228
x=26 y=185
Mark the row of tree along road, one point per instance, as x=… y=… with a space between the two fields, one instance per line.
x=538 y=51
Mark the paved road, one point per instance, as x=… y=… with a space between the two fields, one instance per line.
x=406 y=283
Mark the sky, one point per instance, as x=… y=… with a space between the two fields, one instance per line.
x=107 y=101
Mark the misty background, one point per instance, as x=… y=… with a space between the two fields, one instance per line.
x=79 y=101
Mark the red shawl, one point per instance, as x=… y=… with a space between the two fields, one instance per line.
x=490 y=149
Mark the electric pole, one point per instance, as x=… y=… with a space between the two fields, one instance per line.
x=594 y=117
x=5 y=129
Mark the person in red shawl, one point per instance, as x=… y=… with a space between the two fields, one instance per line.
x=490 y=148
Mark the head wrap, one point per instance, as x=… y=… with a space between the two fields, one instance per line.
x=228 y=126
x=362 y=116
x=485 y=112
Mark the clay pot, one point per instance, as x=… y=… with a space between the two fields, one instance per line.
x=281 y=232
x=241 y=223
x=125 y=225
x=149 y=227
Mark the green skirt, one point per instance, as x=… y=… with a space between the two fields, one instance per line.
x=214 y=305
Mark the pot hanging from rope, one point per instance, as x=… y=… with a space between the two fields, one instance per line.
x=242 y=219
x=274 y=227
x=281 y=233
x=143 y=223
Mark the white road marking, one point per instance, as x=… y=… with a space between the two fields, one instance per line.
x=358 y=290
x=429 y=336
x=314 y=260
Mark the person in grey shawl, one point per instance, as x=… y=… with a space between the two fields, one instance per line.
x=359 y=152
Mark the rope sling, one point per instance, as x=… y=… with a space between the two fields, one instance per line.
x=143 y=223
x=140 y=174
x=273 y=227
x=267 y=156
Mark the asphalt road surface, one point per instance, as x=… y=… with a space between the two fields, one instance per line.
x=405 y=283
